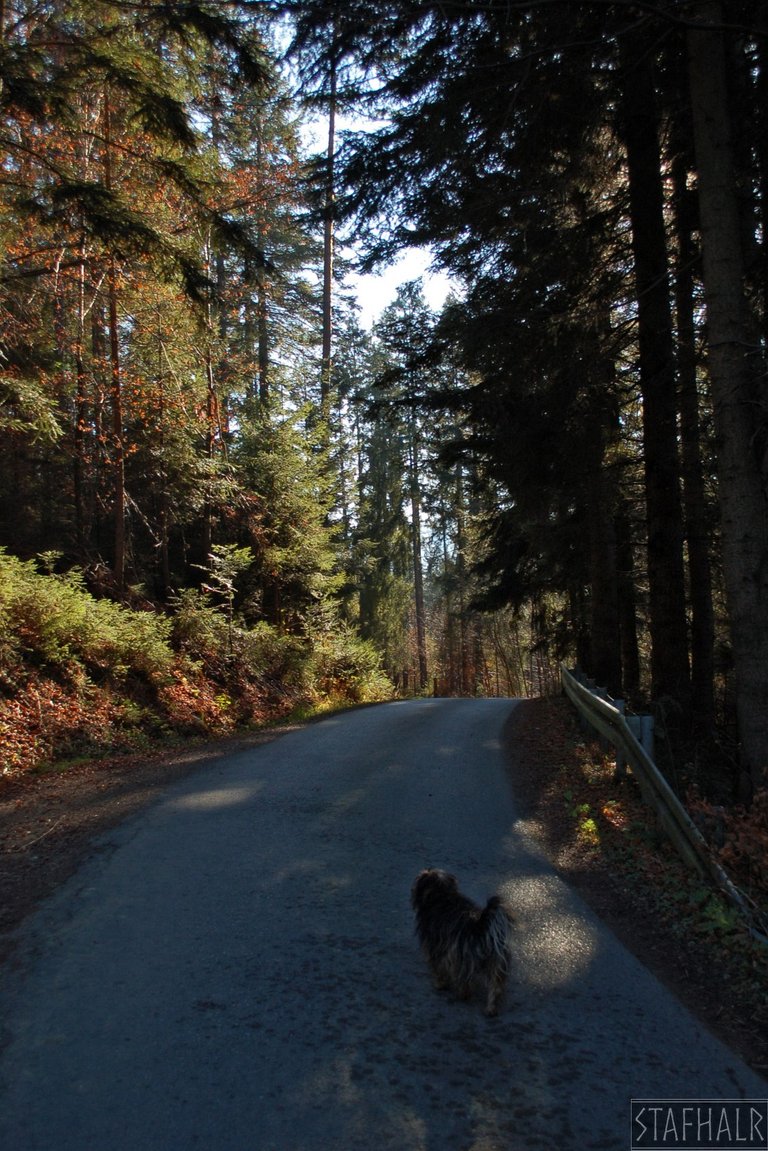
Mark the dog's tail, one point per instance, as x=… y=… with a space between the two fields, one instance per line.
x=494 y=929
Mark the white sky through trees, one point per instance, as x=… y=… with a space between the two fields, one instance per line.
x=375 y=292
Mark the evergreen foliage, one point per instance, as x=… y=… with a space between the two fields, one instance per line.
x=528 y=145
x=567 y=462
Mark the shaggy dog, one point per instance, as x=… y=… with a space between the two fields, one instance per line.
x=463 y=943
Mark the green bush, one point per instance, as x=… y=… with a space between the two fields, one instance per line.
x=257 y=664
x=200 y=630
x=123 y=641
x=347 y=667
x=74 y=670
x=53 y=621
x=269 y=654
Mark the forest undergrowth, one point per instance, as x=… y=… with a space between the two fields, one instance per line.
x=605 y=840
x=83 y=677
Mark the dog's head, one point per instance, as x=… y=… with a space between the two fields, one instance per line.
x=432 y=883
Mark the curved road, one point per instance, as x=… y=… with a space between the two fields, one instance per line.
x=235 y=969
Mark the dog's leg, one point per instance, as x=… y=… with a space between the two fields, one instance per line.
x=440 y=976
x=496 y=985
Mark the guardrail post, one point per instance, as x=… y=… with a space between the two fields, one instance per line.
x=641 y=727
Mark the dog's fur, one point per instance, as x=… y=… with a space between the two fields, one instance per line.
x=463 y=943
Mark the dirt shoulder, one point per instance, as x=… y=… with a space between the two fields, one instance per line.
x=597 y=835
x=602 y=840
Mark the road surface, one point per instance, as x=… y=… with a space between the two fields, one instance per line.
x=235 y=968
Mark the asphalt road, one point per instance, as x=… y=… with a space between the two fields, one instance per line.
x=235 y=968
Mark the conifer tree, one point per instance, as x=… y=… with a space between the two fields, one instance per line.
x=734 y=358
x=657 y=368
x=404 y=330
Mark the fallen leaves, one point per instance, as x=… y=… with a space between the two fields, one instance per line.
x=604 y=839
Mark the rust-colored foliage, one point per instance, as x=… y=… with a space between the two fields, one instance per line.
x=739 y=836
x=47 y=721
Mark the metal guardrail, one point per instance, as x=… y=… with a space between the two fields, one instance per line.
x=608 y=721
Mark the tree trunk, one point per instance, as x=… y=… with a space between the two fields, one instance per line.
x=697 y=519
x=602 y=423
x=116 y=385
x=100 y=464
x=210 y=434
x=464 y=670
x=627 y=605
x=262 y=329
x=326 y=366
x=163 y=518
x=605 y=648
x=451 y=663
x=418 y=573
x=118 y=442
x=78 y=461
x=739 y=411
x=669 y=643
x=262 y=295
x=761 y=149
